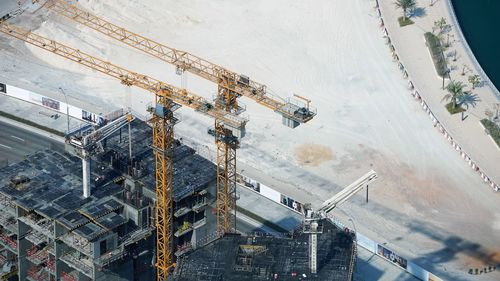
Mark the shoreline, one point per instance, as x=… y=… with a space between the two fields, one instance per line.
x=454 y=21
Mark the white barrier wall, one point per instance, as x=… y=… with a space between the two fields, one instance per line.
x=49 y=103
x=270 y=193
x=361 y=240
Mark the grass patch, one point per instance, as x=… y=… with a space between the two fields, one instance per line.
x=455 y=110
x=261 y=220
x=30 y=123
x=404 y=22
x=436 y=49
x=493 y=130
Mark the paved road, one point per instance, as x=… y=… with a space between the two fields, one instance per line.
x=17 y=143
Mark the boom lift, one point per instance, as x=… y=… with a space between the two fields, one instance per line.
x=312 y=219
x=230 y=87
x=168 y=98
x=88 y=142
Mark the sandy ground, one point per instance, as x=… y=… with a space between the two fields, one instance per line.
x=427 y=204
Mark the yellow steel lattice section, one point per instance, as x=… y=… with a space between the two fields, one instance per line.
x=180 y=96
x=226 y=179
x=181 y=59
x=163 y=144
x=226 y=144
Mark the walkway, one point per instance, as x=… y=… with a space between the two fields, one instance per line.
x=410 y=46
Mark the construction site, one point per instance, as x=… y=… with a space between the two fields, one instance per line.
x=227 y=140
x=125 y=200
x=50 y=231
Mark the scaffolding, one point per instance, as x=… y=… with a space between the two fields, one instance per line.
x=8 y=242
x=39 y=223
x=45 y=224
x=8 y=221
x=51 y=266
x=235 y=257
x=79 y=262
x=77 y=242
x=36 y=273
x=37 y=256
x=72 y=276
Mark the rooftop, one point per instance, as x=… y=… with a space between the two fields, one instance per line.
x=236 y=257
x=191 y=172
x=50 y=183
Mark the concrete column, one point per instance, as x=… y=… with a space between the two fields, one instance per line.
x=22 y=247
x=86 y=175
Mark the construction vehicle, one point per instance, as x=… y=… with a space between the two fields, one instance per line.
x=312 y=218
x=87 y=142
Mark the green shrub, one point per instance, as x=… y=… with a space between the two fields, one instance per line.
x=493 y=129
x=436 y=49
x=451 y=110
x=404 y=22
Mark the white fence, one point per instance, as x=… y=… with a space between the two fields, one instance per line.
x=362 y=241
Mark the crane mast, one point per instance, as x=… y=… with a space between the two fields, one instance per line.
x=167 y=98
x=226 y=144
x=163 y=123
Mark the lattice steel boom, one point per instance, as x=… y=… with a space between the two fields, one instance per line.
x=236 y=84
x=127 y=77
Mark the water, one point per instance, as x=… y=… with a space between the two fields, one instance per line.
x=480 y=25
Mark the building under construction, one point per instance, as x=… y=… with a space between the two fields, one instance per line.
x=183 y=188
x=266 y=257
x=49 y=231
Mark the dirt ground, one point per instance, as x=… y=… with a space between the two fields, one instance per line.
x=309 y=154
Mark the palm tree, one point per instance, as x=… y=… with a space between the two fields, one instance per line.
x=474 y=80
x=467 y=99
x=405 y=5
x=455 y=91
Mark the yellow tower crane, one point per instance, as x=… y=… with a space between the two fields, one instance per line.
x=230 y=86
x=168 y=98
